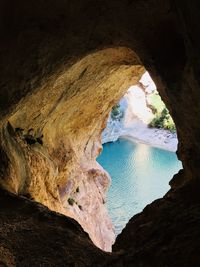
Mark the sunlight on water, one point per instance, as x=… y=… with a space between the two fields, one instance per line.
x=140 y=174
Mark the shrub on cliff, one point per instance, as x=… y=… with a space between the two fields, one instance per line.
x=116 y=113
x=163 y=120
x=71 y=201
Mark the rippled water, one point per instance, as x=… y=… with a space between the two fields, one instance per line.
x=140 y=174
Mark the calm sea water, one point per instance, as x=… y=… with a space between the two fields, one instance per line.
x=140 y=174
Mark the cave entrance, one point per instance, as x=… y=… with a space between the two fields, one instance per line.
x=139 y=144
x=68 y=114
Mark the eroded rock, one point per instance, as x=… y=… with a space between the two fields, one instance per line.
x=63 y=66
x=56 y=151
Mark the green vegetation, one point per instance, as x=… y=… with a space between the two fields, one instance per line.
x=30 y=137
x=162 y=118
x=71 y=201
x=156 y=102
x=116 y=113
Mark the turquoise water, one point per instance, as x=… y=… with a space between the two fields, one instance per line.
x=140 y=174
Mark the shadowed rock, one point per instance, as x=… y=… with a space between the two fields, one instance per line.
x=63 y=66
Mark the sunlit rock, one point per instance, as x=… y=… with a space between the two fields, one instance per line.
x=64 y=65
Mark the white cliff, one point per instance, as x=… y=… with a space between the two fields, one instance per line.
x=134 y=117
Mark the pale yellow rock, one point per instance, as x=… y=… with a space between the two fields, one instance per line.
x=65 y=118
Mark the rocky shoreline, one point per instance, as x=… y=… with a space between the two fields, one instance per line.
x=140 y=133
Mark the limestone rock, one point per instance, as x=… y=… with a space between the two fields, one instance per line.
x=63 y=65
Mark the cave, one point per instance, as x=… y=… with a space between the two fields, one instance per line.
x=63 y=66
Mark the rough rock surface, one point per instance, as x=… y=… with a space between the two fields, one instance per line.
x=52 y=146
x=32 y=235
x=166 y=233
x=63 y=65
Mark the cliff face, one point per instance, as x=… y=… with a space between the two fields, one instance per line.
x=132 y=110
x=63 y=66
x=52 y=141
x=131 y=116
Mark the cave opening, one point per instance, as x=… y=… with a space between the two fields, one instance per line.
x=139 y=145
x=55 y=143
x=64 y=65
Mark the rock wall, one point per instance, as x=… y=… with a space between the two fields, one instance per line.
x=133 y=109
x=52 y=141
x=63 y=65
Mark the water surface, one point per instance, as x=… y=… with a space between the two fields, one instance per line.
x=140 y=174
